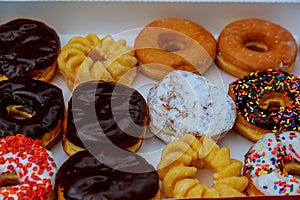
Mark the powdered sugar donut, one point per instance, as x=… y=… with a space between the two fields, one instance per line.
x=271 y=163
x=184 y=102
x=27 y=170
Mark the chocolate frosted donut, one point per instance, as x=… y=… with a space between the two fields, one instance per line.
x=28 y=48
x=116 y=176
x=266 y=101
x=105 y=111
x=31 y=107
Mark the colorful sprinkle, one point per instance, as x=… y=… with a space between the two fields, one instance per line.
x=270 y=160
x=33 y=164
x=250 y=90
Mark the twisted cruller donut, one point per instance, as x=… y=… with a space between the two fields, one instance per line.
x=267 y=101
x=27 y=169
x=90 y=58
x=179 y=163
x=271 y=163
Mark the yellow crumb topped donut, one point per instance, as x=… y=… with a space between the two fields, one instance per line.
x=91 y=58
x=179 y=163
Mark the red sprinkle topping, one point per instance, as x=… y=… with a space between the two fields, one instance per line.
x=33 y=164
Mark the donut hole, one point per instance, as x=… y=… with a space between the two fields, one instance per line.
x=256 y=46
x=171 y=42
x=205 y=175
x=274 y=100
x=9 y=179
x=20 y=111
x=292 y=168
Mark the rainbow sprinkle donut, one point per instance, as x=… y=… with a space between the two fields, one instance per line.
x=269 y=162
x=30 y=164
x=266 y=101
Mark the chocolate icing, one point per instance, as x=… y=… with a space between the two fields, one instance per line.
x=250 y=90
x=105 y=109
x=26 y=45
x=83 y=176
x=42 y=99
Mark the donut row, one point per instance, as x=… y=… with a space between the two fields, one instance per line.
x=242 y=47
x=106 y=119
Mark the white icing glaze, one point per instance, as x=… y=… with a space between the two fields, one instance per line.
x=184 y=102
x=34 y=166
x=262 y=163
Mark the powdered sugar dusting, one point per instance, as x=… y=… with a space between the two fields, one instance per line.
x=184 y=102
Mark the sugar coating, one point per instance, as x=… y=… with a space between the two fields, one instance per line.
x=184 y=102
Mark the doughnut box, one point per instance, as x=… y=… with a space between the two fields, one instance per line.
x=125 y=19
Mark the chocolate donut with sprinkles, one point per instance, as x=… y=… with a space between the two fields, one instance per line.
x=272 y=163
x=266 y=101
x=27 y=170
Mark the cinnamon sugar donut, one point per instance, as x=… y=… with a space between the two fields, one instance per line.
x=174 y=43
x=28 y=48
x=249 y=45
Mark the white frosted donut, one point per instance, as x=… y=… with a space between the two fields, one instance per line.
x=30 y=164
x=269 y=162
x=184 y=102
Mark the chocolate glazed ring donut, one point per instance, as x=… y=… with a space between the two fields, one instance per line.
x=266 y=101
x=105 y=111
x=33 y=108
x=28 y=48
x=115 y=176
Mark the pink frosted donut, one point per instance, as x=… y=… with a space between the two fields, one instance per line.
x=27 y=170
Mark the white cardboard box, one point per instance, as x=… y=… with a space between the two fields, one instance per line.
x=124 y=19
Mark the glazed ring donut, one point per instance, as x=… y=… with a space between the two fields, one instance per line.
x=100 y=110
x=250 y=45
x=180 y=160
x=91 y=58
x=27 y=170
x=270 y=162
x=109 y=176
x=33 y=108
x=184 y=102
x=174 y=43
x=266 y=101
x=28 y=48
